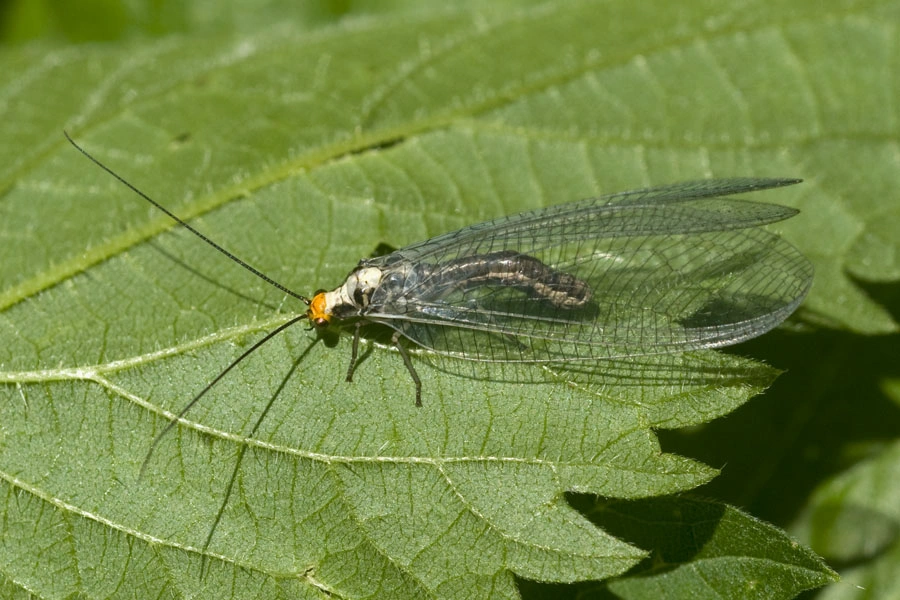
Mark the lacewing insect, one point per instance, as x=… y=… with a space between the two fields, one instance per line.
x=659 y=270
x=667 y=269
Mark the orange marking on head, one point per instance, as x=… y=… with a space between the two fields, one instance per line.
x=317 y=313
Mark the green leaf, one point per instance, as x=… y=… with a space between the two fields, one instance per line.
x=795 y=456
x=708 y=550
x=854 y=520
x=301 y=151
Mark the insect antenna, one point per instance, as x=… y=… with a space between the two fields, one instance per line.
x=187 y=226
x=243 y=448
x=233 y=258
x=210 y=386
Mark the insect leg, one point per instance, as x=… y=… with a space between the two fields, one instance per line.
x=354 y=352
x=409 y=367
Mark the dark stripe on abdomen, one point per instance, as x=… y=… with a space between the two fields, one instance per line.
x=511 y=269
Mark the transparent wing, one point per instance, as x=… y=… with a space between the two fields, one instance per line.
x=639 y=212
x=668 y=269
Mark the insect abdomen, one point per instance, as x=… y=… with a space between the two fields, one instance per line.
x=512 y=269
